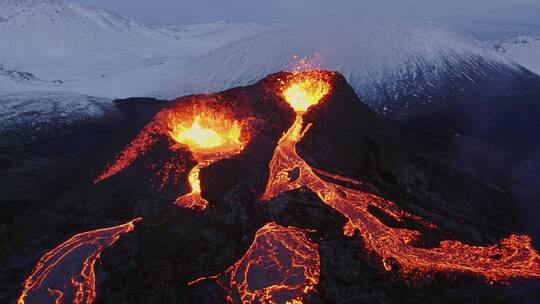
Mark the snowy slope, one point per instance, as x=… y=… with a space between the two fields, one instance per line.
x=96 y=52
x=524 y=50
x=36 y=109
x=210 y=36
x=389 y=62
x=56 y=27
x=56 y=55
x=45 y=28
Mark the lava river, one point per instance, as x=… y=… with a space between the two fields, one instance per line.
x=513 y=257
x=281 y=266
x=66 y=273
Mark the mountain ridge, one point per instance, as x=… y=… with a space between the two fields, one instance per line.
x=523 y=49
x=392 y=63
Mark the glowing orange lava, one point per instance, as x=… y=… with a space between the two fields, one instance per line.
x=210 y=135
x=281 y=266
x=304 y=90
x=135 y=149
x=209 y=132
x=204 y=127
x=513 y=257
x=66 y=273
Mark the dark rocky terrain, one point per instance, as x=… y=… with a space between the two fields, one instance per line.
x=478 y=187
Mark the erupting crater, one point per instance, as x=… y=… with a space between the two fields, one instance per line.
x=513 y=257
x=202 y=125
x=210 y=135
x=305 y=89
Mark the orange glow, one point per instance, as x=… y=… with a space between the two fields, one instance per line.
x=281 y=266
x=513 y=257
x=206 y=128
x=208 y=132
x=305 y=89
x=66 y=273
x=306 y=85
x=131 y=152
x=211 y=135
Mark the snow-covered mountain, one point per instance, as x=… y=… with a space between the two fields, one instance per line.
x=524 y=50
x=96 y=52
x=399 y=67
x=210 y=36
x=55 y=27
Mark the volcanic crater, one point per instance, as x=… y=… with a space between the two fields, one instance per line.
x=290 y=190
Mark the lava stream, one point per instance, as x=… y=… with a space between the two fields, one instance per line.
x=513 y=257
x=66 y=273
x=281 y=266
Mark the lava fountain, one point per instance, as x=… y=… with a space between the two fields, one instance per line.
x=210 y=135
x=281 y=266
x=204 y=125
x=513 y=257
x=66 y=273
x=305 y=89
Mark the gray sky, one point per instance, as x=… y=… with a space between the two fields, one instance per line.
x=486 y=19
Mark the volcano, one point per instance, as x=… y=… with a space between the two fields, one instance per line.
x=290 y=190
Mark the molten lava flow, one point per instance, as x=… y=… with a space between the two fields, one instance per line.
x=210 y=136
x=66 y=273
x=513 y=257
x=281 y=266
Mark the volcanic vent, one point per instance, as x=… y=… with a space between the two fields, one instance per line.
x=240 y=153
x=198 y=131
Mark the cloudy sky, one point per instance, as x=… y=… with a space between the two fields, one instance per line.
x=484 y=18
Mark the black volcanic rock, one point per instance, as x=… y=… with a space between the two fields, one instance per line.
x=347 y=137
x=249 y=169
x=497 y=141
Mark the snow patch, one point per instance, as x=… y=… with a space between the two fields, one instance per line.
x=36 y=109
x=524 y=50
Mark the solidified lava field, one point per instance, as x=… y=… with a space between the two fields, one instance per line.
x=290 y=190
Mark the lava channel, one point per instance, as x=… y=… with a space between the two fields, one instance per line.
x=281 y=266
x=513 y=257
x=204 y=127
x=66 y=273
